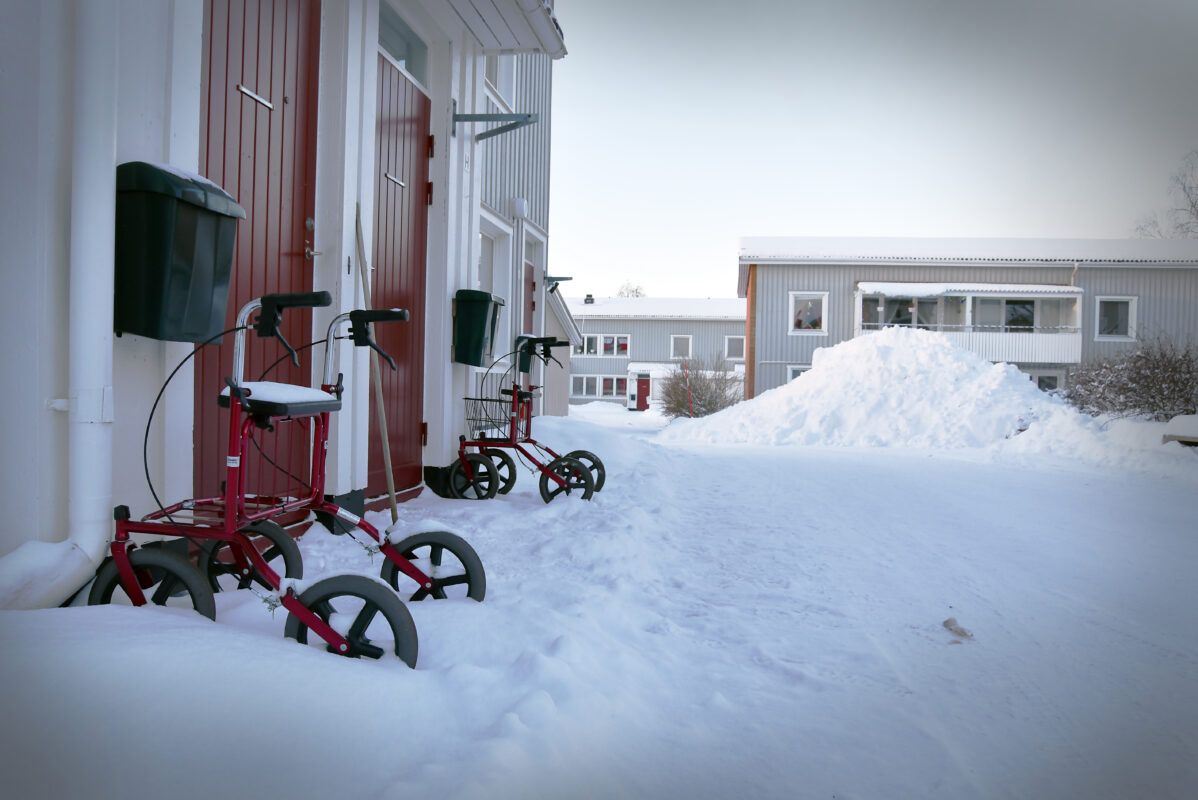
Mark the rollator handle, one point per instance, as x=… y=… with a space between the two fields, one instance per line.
x=272 y=314
x=359 y=328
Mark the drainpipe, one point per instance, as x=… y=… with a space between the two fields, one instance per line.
x=49 y=581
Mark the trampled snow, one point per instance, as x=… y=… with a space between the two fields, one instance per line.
x=755 y=606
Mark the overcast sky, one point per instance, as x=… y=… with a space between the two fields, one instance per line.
x=679 y=127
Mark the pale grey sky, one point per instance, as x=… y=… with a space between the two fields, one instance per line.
x=679 y=127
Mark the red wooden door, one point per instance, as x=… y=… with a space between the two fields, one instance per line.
x=642 y=394
x=258 y=112
x=400 y=242
x=530 y=296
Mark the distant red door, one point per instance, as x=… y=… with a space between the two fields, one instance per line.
x=642 y=394
x=530 y=296
x=258 y=112
x=400 y=243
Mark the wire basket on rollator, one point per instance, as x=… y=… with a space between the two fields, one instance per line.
x=490 y=418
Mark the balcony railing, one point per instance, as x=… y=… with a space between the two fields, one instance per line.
x=1015 y=344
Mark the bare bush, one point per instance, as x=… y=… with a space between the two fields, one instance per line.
x=700 y=387
x=1158 y=380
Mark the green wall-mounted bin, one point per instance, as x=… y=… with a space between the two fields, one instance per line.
x=474 y=319
x=175 y=233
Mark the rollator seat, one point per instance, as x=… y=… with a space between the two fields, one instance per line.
x=271 y=399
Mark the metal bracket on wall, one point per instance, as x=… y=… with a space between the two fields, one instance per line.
x=515 y=121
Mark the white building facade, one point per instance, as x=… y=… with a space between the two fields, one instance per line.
x=329 y=123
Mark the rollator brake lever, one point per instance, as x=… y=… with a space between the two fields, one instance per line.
x=290 y=349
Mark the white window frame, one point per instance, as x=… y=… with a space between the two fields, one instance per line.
x=1132 y=302
x=584 y=353
x=596 y=383
x=674 y=337
x=798 y=295
x=795 y=370
x=627 y=337
x=728 y=338
x=499 y=78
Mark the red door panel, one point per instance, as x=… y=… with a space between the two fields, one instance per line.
x=400 y=241
x=530 y=295
x=258 y=113
x=642 y=394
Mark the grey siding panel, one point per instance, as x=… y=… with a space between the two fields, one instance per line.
x=650 y=340
x=777 y=349
x=516 y=164
x=1167 y=303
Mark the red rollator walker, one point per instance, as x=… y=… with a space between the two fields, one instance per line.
x=238 y=539
x=499 y=424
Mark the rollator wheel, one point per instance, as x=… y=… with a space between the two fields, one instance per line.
x=506 y=467
x=445 y=557
x=166 y=578
x=282 y=555
x=579 y=482
x=352 y=605
x=593 y=464
x=485 y=483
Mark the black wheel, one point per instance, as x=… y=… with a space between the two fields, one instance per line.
x=352 y=605
x=505 y=466
x=484 y=484
x=281 y=553
x=166 y=579
x=579 y=482
x=593 y=464
x=454 y=567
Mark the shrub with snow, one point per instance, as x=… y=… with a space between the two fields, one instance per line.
x=1158 y=380
x=699 y=388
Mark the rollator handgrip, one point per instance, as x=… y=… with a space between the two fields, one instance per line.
x=272 y=312
x=359 y=328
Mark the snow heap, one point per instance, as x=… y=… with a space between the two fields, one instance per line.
x=904 y=387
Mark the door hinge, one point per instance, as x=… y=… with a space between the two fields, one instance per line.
x=431 y=145
x=423 y=434
x=428 y=198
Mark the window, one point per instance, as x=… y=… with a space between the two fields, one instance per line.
x=795 y=370
x=402 y=44
x=680 y=346
x=615 y=345
x=1115 y=318
x=1047 y=383
x=1020 y=315
x=807 y=312
x=500 y=72
x=589 y=346
x=599 y=386
x=734 y=348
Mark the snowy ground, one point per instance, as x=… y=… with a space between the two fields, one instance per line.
x=726 y=619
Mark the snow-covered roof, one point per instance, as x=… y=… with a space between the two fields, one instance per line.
x=895 y=289
x=1174 y=253
x=967 y=251
x=732 y=308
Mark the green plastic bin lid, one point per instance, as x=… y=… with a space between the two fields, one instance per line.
x=477 y=296
x=172 y=181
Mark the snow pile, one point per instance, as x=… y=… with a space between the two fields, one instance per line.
x=904 y=387
x=896 y=387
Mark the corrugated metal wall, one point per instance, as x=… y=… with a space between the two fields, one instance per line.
x=516 y=164
x=1167 y=302
x=650 y=341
